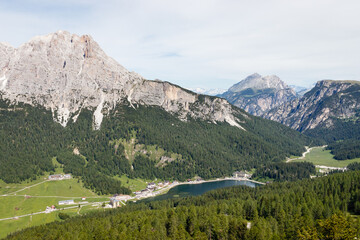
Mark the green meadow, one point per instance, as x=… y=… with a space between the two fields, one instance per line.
x=13 y=225
x=320 y=156
x=24 y=198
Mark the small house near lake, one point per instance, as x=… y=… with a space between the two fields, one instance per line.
x=241 y=174
x=116 y=200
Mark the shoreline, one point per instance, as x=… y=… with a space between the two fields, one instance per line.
x=174 y=184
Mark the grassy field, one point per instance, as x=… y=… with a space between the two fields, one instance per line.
x=320 y=156
x=9 y=226
x=134 y=184
x=34 y=199
x=64 y=188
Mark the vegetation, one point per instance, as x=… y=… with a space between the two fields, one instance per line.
x=35 y=198
x=347 y=149
x=308 y=209
x=285 y=171
x=320 y=156
x=353 y=166
x=30 y=139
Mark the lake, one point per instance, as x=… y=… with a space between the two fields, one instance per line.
x=186 y=190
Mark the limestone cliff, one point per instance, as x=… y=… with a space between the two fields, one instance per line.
x=257 y=95
x=66 y=73
x=327 y=101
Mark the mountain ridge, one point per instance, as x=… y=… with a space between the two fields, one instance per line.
x=67 y=79
x=329 y=104
x=66 y=73
x=257 y=95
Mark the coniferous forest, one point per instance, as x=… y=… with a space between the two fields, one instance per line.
x=30 y=139
x=346 y=149
x=319 y=208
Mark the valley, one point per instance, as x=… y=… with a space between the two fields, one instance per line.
x=23 y=205
x=83 y=131
x=321 y=157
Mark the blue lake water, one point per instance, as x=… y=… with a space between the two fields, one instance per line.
x=185 y=190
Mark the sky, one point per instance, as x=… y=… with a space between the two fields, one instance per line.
x=205 y=43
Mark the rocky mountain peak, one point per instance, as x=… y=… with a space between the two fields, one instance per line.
x=256 y=81
x=65 y=73
x=257 y=95
x=328 y=100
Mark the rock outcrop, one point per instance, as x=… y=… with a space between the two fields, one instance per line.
x=327 y=101
x=66 y=73
x=257 y=95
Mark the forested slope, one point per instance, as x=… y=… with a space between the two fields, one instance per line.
x=30 y=138
x=306 y=209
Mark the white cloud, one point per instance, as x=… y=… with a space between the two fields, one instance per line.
x=206 y=43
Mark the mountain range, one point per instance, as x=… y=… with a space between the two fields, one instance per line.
x=61 y=94
x=64 y=102
x=257 y=95
x=330 y=111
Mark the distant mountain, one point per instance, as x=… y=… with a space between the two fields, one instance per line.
x=211 y=92
x=60 y=93
x=330 y=110
x=257 y=95
x=300 y=91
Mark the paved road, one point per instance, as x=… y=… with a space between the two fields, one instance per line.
x=60 y=209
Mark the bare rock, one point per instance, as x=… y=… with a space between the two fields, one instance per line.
x=66 y=73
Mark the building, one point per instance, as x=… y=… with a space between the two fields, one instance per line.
x=66 y=202
x=67 y=176
x=50 y=209
x=59 y=176
x=122 y=197
x=116 y=200
x=241 y=174
x=56 y=177
x=151 y=185
x=83 y=198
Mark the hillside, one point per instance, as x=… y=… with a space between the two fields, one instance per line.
x=30 y=138
x=257 y=95
x=63 y=97
x=319 y=208
x=329 y=111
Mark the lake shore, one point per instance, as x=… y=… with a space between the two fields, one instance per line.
x=176 y=183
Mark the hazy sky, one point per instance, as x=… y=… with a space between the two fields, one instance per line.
x=205 y=43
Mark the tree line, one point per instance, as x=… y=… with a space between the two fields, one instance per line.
x=29 y=139
x=306 y=209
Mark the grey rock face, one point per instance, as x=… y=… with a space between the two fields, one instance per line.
x=256 y=81
x=257 y=95
x=327 y=100
x=66 y=73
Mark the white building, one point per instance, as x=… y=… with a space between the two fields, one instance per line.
x=59 y=176
x=66 y=202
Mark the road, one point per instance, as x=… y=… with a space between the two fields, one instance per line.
x=304 y=153
x=14 y=193
x=60 y=209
